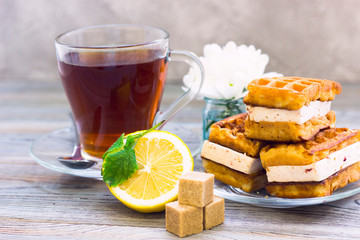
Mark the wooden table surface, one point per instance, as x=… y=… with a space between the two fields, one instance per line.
x=37 y=203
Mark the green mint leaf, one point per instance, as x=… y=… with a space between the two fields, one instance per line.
x=117 y=146
x=120 y=160
x=119 y=167
x=131 y=141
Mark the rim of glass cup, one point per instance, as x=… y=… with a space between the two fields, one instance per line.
x=58 y=38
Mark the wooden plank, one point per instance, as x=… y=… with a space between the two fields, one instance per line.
x=37 y=203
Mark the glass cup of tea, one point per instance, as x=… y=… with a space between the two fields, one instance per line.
x=114 y=76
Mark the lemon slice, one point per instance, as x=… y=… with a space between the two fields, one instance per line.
x=162 y=158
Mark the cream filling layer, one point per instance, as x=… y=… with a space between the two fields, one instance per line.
x=314 y=109
x=230 y=158
x=316 y=171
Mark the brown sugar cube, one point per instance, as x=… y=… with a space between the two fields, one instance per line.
x=214 y=213
x=196 y=189
x=183 y=220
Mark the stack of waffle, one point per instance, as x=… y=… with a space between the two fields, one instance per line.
x=286 y=142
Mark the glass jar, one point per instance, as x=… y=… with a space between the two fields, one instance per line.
x=218 y=109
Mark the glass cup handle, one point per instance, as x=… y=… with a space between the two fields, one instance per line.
x=194 y=62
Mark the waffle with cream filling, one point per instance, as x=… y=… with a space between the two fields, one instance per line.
x=233 y=158
x=288 y=131
x=289 y=109
x=313 y=168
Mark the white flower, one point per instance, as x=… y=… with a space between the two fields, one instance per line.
x=228 y=70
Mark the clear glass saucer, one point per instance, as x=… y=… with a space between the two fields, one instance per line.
x=263 y=199
x=46 y=149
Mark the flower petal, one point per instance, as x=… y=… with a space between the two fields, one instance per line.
x=228 y=70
